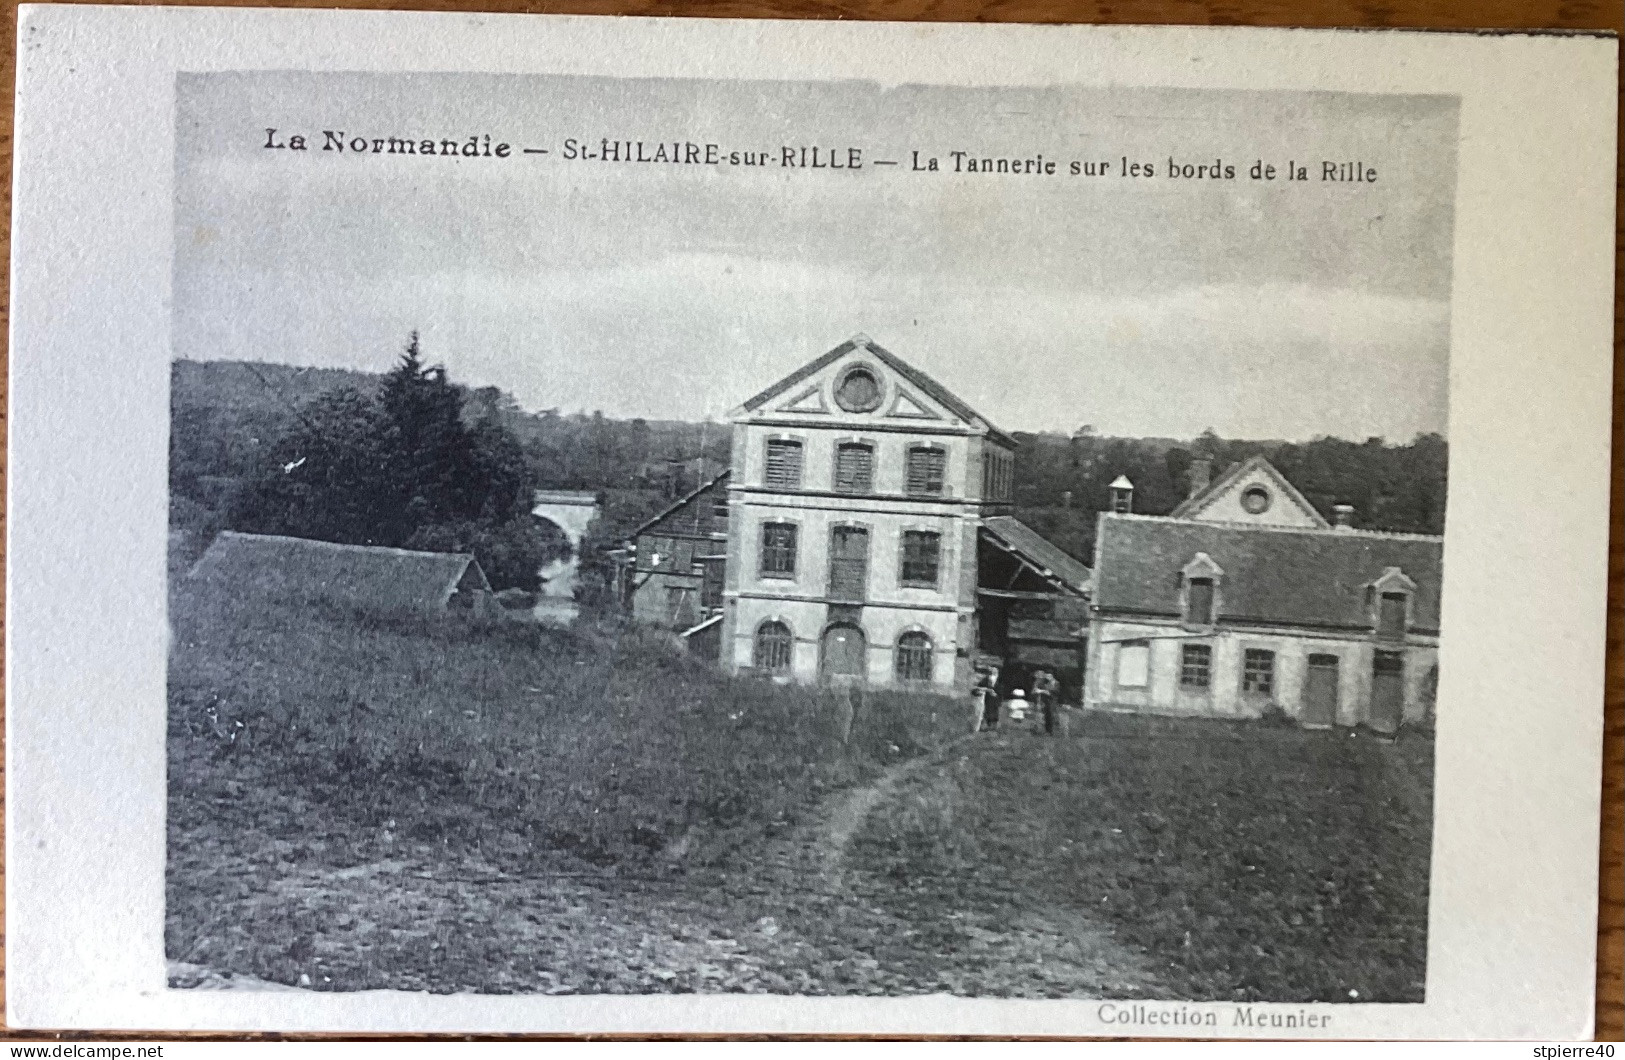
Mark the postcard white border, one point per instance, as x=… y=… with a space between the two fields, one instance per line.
x=1513 y=903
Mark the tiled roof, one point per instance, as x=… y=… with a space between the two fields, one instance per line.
x=1038 y=550
x=1271 y=574
x=386 y=581
x=678 y=504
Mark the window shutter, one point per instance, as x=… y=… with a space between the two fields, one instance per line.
x=854 y=468
x=783 y=463
x=925 y=470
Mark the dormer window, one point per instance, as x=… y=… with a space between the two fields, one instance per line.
x=1390 y=597
x=1255 y=500
x=1199 y=602
x=1391 y=616
x=1199 y=592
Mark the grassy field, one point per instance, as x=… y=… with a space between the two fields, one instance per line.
x=1246 y=862
x=508 y=740
x=358 y=804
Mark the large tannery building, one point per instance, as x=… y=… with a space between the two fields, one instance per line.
x=868 y=537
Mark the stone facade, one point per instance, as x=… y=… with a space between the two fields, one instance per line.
x=1247 y=600
x=856 y=492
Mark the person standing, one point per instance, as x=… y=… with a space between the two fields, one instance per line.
x=1047 y=690
x=985 y=692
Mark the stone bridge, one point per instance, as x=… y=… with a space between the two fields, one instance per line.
x=572 y=511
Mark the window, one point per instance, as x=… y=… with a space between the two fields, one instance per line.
x=1195 y=666
x=1256 y=500
x=1258 y=672
x=1133 y=664
x=778 y=550
x=1199 y=601
x=996 y=475
x=914 y=657
x=922 y=552
x=854 y=467
x=926 y=467
x=680 y=605
x=858 y=391
x=783 y=464
x=773 y=644
x=848 y=562
x=1391 y=617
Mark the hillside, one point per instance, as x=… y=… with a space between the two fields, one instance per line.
x=226 y=415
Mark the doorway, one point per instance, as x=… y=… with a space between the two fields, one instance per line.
x=844 y=653
x=1320 y=693
x=1387 y=691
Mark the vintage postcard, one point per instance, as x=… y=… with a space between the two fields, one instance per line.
x=529 y=523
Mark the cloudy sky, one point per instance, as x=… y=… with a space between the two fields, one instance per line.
x=1142 y=306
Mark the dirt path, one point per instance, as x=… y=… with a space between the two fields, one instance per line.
x=809 y=915
x=832 y=834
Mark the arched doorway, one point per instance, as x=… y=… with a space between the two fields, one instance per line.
x=843 y=653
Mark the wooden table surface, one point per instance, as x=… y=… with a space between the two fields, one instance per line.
x=1417 y=14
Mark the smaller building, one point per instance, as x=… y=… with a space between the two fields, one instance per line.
x=678 y=557
x=1246 y=600
x=385 y=582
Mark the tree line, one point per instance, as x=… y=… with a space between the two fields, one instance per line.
x=411 y=459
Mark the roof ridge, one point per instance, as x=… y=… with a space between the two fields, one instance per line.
x=679 y=502
x=341 y=545
x=1345 y=532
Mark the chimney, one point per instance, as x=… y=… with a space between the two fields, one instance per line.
x=1343 y=516
x=1122 y=494
x=1201 y=474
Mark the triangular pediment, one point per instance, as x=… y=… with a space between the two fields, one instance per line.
x=1253 y=492
x=905 y=406
x=809 y=401
x=859 y=383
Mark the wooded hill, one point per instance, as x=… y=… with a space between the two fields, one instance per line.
x=227 y=418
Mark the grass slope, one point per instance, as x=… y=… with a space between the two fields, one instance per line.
x=1245 y=862
x=303 y=745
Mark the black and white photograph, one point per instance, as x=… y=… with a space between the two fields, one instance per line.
x=565 y=525
x=680 y=536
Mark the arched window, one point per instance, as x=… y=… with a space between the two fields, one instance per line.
x=914 y=657
x=773 y=644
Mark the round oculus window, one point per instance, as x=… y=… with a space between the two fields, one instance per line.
x=858 y=390
x=1256 y=500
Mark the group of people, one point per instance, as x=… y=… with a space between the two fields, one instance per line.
x=992 y=711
